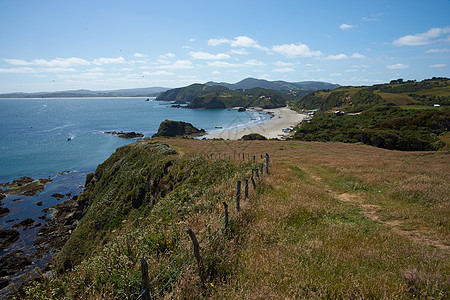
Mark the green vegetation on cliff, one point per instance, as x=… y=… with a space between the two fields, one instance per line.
x=399 y=115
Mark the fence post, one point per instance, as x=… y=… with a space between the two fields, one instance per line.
x=145 y=291
x=243 y=156
x=254 y=158
x=267 y=163
x=238 y=195
x=225 y=207
x=201 y=265
x=246 y=189
x=257 y=172
x=262 y=168
x=253 y=181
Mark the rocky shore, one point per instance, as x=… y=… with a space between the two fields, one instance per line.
x=17 y=266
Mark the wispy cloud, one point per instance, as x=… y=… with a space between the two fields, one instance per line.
x=358 y=55
x=295 y=50
x=205 y=55
x=283 y=70
x=438 y=66
x=167 y=55
x=140 y=55
x=57 y=62
x=158 y=73
x=420 y=39
x=240 y=52
x=346 y=27
x=443 y=50
x=246 y=42
x=106 y=61
x=177 y=65
x=373 y=18
x=337 y=56
x=217 y=42
x=222 y=64
x=254 y=62
x=283 y=64
x=397 y=66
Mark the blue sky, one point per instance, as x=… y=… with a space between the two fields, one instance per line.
x=99 y=45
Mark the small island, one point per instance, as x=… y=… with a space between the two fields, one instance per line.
x=170 y=128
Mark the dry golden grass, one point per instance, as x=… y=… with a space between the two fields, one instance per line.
x=397 y=99
x=339 y=220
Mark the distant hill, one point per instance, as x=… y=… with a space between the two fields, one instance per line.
x=138 y=92
x=249 y=83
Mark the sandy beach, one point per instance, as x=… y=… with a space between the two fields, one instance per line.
x=283 y=118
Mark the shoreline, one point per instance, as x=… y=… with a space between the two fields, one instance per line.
x=282 y=118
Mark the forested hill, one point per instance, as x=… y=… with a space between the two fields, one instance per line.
x=210 y=97
x=400 y=115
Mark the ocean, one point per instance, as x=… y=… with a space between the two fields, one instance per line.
x=63 y=139
x=34 y=135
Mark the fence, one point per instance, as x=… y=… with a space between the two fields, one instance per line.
x=149 y=290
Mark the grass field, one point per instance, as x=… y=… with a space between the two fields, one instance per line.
x=343 y=221
x=330 y=221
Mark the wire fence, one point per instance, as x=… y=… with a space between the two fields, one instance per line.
x=173 y=270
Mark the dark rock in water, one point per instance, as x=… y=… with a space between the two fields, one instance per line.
x=25 y=223
x=57 y=196
x=170 y=128
x=2 y=196
x=241 y=109
x=39 y=203
x=23 y=180
x=176 y=106
x=7 y=237
x=126 y=135
x=4 y=211
x=12 y=263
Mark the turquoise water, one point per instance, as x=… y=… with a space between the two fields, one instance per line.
x=34 y=142
x=34 y=132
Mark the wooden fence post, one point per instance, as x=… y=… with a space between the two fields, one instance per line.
x=225 y=207
x=257 y=172
x=246 y=189
x=253 y=182
x=243 y=156
x=145 y=291
x=267 y=163
x=262 y=168
x=201 y=265
x=238 y=195
x=254 y=158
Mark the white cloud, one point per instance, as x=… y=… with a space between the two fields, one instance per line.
x=240 y=52
x=57 y=62
x=397 y=66
x=438 y=66
x=105 y=61
x=222 y=64
x=192 y=40
x=141 y=55
x=292 y=50
x=216 y=73
x=205 y=55
x=373 y=18
x=167 y=55
x=283 y=70
x=337 y=56
x=420 y=39
x=443 y=50
x=346 y=27
x=358 y=55
x=217 y=42
x=158 y=73
x=246 y=42
x=254 y=62
x=335 y=74
x=282 y=64
x=177 y=65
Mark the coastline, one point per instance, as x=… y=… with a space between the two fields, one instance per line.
x=282 y=118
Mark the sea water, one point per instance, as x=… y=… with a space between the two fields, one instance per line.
x=64 y=139
x=44 y=136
